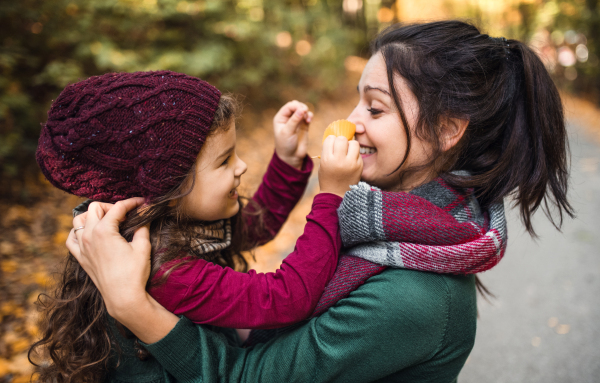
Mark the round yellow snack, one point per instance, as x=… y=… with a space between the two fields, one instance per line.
x=340 y=128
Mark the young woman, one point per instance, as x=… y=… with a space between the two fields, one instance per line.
x=450 y=121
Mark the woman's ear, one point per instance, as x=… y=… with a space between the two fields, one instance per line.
x=452 y=131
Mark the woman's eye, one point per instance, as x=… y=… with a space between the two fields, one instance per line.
x=226 y=161
x=374 y=111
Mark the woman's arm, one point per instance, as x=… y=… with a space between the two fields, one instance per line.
x=211 y=294
x=397 y=320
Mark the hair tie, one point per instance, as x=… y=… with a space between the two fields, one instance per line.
x=504 y=42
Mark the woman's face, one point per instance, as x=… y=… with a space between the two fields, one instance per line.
x=380 y=133
x=218 y=174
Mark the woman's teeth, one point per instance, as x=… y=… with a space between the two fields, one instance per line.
x=367 y=150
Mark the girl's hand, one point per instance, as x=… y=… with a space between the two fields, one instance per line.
x=341 y=165
x=118 y=268
x=291 y=132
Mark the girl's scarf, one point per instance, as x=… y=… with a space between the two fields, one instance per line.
x=433 y=228
x=211 y=238
x=207 y=238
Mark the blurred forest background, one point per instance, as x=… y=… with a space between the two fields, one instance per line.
x=270 y=51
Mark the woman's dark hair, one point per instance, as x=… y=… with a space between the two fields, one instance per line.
x=515 y=142
x=76 y=336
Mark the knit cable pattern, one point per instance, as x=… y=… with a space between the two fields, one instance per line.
x=122 y=135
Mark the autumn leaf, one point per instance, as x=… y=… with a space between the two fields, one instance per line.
x=9 y=266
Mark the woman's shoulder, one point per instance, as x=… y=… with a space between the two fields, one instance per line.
x=407 y=284
x=439 y=304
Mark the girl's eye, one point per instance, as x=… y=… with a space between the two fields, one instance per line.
x=226 y=161
x=374 y=112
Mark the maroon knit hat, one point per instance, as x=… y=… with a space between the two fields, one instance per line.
x=123 y=135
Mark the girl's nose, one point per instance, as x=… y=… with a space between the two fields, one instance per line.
x=241 y=168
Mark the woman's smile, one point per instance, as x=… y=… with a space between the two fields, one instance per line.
x=366 y=151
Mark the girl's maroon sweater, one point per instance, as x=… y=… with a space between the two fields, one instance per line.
x=211 y=294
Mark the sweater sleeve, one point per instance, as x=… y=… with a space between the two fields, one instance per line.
x=212 y=294
x=281 y=189
x=382 y=329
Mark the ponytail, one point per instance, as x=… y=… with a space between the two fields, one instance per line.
x=516 y=140
x=546 y=179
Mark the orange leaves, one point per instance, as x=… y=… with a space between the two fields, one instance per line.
x=9 y=266
x=60 y=238
x=32 y=247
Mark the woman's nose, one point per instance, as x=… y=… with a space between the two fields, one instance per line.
x=354 y=118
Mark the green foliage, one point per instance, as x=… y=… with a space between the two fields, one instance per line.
x=575 y=24
x=245 y=46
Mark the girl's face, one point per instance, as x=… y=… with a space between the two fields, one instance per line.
x=380 y=133
x=218 y=172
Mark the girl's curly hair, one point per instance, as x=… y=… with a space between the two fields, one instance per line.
x=76 y=343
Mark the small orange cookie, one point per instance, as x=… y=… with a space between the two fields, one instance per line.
x=340 y=128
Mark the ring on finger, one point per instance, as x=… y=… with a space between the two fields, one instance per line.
x=79 y=228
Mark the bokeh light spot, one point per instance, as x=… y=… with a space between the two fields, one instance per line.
x=582 y=53
x=303 y=47
x=566 y=57
x=352 y=6
x=355 y=64
x=283 y=39
x=385 y=15
x=72 y=9
x=36 y=28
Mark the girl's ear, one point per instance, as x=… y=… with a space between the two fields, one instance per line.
x=452 y=130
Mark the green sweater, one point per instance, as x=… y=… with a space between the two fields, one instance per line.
x=400 y=326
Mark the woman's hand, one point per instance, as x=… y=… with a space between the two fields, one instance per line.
x=118 y=268
x=341 y=165
x=290 y=125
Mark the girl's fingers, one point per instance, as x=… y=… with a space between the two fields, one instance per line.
x=327 y=147
x=309 y=117
x=353 y=149
x=340 y=146
x=296 y=119
x=288 y=111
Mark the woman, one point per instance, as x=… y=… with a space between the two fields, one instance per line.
x=445 y=113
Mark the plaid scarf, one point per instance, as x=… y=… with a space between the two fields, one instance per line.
x=433 y=228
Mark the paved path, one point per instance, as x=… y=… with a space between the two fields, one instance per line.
x=544 y=325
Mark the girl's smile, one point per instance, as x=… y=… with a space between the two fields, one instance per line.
x=219 y=170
